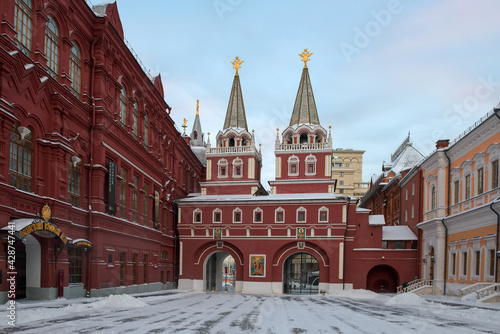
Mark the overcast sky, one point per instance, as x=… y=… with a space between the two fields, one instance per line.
x=379 y=68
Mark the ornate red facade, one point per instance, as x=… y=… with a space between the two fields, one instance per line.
x=75 y=107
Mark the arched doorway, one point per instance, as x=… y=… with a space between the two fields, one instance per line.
x=220 y=272
x=382 y=278
x=301 y=274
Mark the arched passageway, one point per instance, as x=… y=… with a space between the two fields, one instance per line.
x=220 y=272
x=301 y=274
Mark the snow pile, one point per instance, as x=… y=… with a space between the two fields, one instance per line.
x=118 y=301
x=408 y=298
x=111 y=302
x=356 y=294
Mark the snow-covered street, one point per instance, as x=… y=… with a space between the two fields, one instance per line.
x=355 y=311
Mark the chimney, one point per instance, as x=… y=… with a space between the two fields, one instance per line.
x=442 y=143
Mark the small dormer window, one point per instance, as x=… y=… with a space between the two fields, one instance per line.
x=195 y=135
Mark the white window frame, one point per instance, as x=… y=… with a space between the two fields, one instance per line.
x=258 y=210
x=217 y=210
x=301 y=209
x=235 y=211
x=280 y=209
x=310 y=159
x=220 y=164
x=238 y=162
x=323 y=208
x=293 y=160
x=197 y=210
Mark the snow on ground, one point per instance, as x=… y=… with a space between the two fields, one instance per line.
x=175 y=311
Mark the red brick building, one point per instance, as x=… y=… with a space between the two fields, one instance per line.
x=87 y=143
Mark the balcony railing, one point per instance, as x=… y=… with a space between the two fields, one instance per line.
x=231 y=149
x=303 y=146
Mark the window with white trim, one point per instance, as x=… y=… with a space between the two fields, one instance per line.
x=237 y=215
x=310 y=165
x=238 y=168
x=301 y=215
x=217 y=216
x=279 y=215
x=197 y=216
x=257 y=215
x=222 y=168
x=323 y=214
x=293 y=166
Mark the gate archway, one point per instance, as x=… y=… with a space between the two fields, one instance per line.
x=219 y=272
x=301 y=274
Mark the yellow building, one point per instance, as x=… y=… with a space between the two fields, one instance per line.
x=461 y=211
x=347 y=169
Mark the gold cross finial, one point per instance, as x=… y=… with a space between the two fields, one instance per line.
x=237 y=64
x=197 y=107
x=305 y=56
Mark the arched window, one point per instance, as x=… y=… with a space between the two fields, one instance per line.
x=135 y=118
x=123 y=106
x=195 y=135
x=231 y=141
x=145 y=124
x=75 y=69
x=74 y=180
x=244 y=141
x=21 y=155
x=52 y=47
x=303 y=138
x=24 y=25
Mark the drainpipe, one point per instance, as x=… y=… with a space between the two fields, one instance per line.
x=496 y=245
x=442 y=222
x=91 y=161
x=345 y=235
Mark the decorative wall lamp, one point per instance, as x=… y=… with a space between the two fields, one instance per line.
x=424 y=260
x=23 y=131
x=76 y=160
